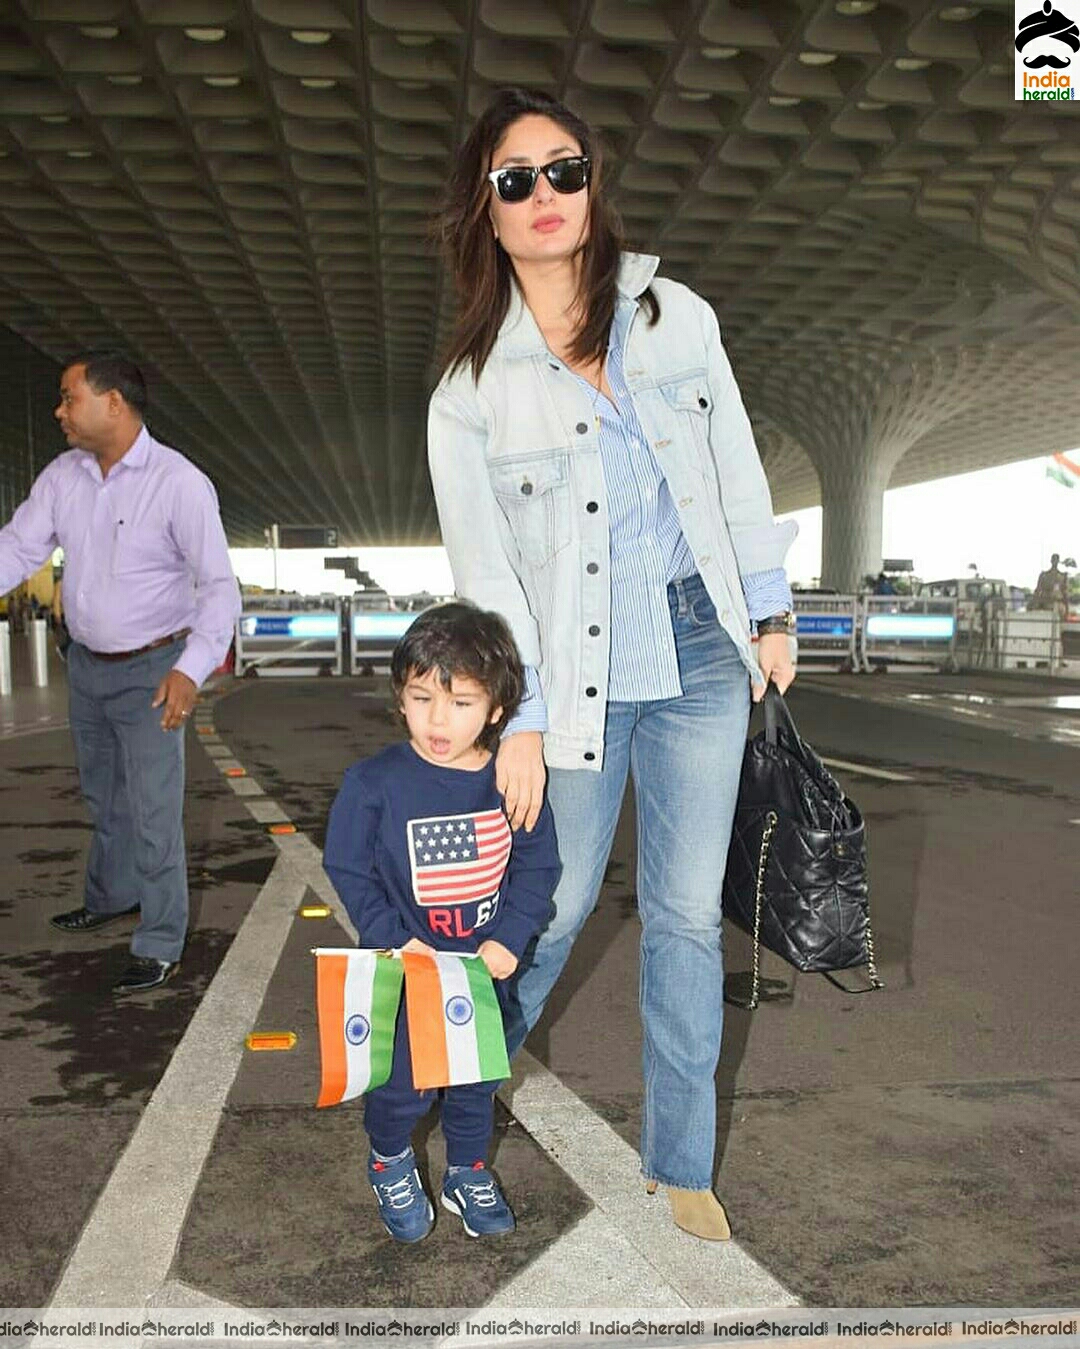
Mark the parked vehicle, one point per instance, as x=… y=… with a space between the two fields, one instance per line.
x=971 y=594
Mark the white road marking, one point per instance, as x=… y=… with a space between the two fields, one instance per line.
x=266 y=811
x=118 y=1263
x=866 y=770
x=618 y=1276
x=8 y=734
x=223 y=762
x=632 y=1226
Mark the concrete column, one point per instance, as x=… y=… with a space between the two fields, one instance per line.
x=852 y=499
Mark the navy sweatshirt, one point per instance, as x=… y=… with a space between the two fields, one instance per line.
x=418 y=850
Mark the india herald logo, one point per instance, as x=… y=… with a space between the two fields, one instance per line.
x=1048 y=28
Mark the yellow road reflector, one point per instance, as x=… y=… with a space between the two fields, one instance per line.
x=283 y=828
x=236 y=772
x=278 y=1039
x=314 y=910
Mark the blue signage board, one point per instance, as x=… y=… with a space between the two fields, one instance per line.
x=824 y=625
x=303 y=626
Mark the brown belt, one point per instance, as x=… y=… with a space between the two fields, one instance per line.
x=140 y=650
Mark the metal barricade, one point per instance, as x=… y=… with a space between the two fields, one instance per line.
x=826 y=627
x=374 y=631
x=290 y=635
x=907 y=630
x=376 y=623
x=1027 y=641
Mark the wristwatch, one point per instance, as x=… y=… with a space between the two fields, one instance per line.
x=783 y=623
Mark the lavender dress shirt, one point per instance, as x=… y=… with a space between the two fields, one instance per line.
x=144 y=552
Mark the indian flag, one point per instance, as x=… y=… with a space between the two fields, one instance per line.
x=455 y=1023
x=1063 y=470
x=357 y=994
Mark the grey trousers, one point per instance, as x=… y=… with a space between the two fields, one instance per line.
x=132 y=777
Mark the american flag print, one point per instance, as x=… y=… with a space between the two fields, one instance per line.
x=458 y=859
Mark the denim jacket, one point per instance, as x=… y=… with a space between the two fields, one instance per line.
x=515 y=468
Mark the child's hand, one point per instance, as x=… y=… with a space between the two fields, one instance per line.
x=419 y=947
x=501 y=963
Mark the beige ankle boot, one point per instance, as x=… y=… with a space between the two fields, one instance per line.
x=698 y=1212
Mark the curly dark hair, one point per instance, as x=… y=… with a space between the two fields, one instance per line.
x=459 y=638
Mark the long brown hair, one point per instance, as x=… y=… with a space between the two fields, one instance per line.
x=484 y=274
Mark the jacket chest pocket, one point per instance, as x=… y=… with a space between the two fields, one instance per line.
x=534 y=494
x=689 y=406
x=690 y=403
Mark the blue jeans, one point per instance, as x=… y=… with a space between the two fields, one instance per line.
x=685 y=754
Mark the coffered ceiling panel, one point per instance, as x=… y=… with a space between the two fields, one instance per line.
x=240 y=193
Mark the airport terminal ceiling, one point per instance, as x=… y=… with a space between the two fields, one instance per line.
x=239 y=193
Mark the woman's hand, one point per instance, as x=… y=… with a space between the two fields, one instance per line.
x=520 y=776
x=501 y=963
x=774 y=657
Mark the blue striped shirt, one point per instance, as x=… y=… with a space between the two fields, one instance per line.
x=648 y=549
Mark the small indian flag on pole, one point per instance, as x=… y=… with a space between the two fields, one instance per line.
x=1063 y=470
x=357 y=994
x=455 y=1024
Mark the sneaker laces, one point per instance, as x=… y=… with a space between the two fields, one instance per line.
x=398 y=1194
x=480 y=1192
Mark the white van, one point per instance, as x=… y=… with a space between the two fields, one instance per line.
x=971 y=594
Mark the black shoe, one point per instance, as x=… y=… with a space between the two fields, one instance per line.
x=144 y=972
x=82 y=920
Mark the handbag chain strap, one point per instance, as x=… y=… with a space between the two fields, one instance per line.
x=759 y=890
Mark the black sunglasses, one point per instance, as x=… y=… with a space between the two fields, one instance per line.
x=517 y=182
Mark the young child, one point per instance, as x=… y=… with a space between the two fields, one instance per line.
x=420 y=851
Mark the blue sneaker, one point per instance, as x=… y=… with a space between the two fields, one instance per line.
x=475 y=1197
x=404 y=1207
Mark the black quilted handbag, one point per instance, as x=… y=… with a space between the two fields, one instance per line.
x=796 y=875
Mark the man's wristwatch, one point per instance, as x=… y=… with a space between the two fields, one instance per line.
x=783 y=623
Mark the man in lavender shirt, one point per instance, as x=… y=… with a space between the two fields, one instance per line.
x=150 y=600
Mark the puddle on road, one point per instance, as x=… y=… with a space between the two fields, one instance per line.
x=1058 y=702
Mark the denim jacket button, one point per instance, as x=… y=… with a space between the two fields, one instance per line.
x=589 y=756
x=591 y=507
x=592 y=568
x=527 y=487
x=581 y=428
x=590 y=692
x=703 y=402
x=594 y=630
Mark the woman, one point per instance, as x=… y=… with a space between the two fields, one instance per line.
x=598 y=485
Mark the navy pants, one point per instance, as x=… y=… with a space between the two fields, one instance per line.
x=132 y=776
x=392 y=1111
